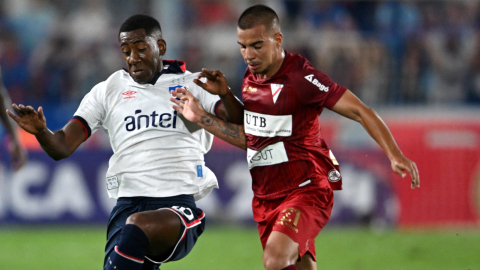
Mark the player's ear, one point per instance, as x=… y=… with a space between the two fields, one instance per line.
x=162 y=46
x=278 y=37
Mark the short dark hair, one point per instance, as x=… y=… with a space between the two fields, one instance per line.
x=258 y=14
x=141 y=21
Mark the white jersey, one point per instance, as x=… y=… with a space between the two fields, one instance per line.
x=156 y=153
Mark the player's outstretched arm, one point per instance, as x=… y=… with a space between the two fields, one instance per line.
x=58 y=144
x=231 y=108
x=190 y=107
x=350 y=106
x=18 y=155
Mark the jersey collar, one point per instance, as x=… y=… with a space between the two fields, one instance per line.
x=169 y=67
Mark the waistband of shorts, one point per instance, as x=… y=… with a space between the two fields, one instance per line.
x=186 y=199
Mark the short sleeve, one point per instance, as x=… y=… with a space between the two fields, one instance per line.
x=91 y=111
x=209 y=102
x=315 y=87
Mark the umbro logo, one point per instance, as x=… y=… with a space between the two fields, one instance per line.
x=129 y=94
x=316 y=83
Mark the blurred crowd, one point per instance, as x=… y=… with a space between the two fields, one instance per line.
x=386 y=52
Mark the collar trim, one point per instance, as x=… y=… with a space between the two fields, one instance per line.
x=169 y=67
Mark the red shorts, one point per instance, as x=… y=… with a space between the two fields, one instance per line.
x=301 y=215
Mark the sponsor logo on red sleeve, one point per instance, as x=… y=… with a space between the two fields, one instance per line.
x=320 y=86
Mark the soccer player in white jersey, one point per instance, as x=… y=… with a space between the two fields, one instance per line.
x=157 y=170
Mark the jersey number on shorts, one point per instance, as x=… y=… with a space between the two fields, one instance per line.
x=185 y=211
x=290 y=218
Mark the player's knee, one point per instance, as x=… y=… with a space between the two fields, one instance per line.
x=136 y=219
x=158 y=219
x=271 y=263
x=141 y=221
x=160 y=226
x=273 y=259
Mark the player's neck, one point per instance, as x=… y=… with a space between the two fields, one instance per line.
x=157 y=73
x=160 y=68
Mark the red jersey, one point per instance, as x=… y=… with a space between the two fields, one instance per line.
x=285 y=147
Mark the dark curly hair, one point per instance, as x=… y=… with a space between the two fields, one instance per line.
x=141 y=21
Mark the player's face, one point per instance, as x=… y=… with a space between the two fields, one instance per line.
x=142 y=54
x=261 y=50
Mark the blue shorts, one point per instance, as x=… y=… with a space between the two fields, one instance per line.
x=192 y=219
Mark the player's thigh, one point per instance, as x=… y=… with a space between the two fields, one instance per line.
x=162 y=228
x=302 y=216
x=192 y=226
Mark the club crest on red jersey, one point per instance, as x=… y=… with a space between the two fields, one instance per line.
x=276 y=89
x=334 y=176
x=129 y=94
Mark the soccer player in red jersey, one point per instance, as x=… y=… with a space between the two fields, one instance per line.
x=293 y=171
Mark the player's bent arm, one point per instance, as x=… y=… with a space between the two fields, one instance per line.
x=351 y=107
x=231 y=108
x=190 y=108
x=62 y=143
x=57 y=144
x=231 y=133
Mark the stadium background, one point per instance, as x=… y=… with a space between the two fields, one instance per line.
x=417 y=63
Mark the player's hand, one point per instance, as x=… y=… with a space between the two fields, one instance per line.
x=186 y=104
x=402 y=164
x=216 y=83
x=18 y=156
x=30 y=120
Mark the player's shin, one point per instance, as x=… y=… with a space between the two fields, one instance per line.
x=129 y=253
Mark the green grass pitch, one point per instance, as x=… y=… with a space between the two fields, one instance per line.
x=231 y=248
